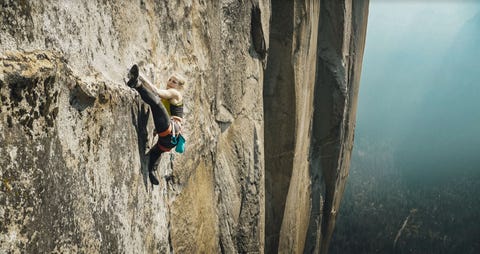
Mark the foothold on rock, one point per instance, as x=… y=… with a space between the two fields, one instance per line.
x=224 y=118
x=82 y=97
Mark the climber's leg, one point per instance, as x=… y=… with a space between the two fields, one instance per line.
x=154 y=159
x=160 y=119
x=160 y=115
x=154 y=155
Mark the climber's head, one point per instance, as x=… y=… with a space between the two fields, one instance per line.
x=176 y=81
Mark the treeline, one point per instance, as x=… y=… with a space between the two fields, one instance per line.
x=385 y=211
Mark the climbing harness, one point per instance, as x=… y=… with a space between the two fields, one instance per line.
x=177 y=139
x=163 y=134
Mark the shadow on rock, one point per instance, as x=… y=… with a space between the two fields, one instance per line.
x=140 y=120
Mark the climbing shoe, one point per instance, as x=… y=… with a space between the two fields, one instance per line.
x=153 y=178
x=133 y=76
x=170 y=178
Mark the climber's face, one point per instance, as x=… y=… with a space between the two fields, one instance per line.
x=173 y=83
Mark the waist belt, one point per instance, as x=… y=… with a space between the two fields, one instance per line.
x=169 y=131
x=166 y=132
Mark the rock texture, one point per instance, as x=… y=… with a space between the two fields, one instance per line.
x=311 y=88
x=73 y=136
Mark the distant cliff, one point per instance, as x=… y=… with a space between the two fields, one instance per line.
x=270 y=112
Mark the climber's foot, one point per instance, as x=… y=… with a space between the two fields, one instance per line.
x=170 y=178
x=133 y=76
x=153 y=178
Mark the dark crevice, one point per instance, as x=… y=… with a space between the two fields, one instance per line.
x=81 y=98
x=333 y=96
x=279 y=115
x=256 y=31
x=329 y=107
x=140 y=115
x=222 y=248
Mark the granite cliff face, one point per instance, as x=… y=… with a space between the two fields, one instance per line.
x=270 y=112
x=310 y=91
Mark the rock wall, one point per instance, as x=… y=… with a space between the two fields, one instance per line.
x=288 y=98
x=310 y=97
x=73 y=136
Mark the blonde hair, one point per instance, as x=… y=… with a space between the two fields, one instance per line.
x=180 y=78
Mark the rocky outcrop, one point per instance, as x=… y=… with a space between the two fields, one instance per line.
x=73 y=136
x=311 y=88
x=68 y=182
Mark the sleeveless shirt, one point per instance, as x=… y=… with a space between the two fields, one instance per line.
x=172 y=109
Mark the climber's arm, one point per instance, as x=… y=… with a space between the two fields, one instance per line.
x=167 y=94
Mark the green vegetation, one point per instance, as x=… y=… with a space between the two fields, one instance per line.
x=444 y=213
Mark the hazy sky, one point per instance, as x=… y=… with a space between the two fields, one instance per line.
x=420 y=87
x=417 y=139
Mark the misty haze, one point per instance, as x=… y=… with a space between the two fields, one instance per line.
x=413 y=184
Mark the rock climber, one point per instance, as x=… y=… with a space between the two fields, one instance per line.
x=167 y=110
